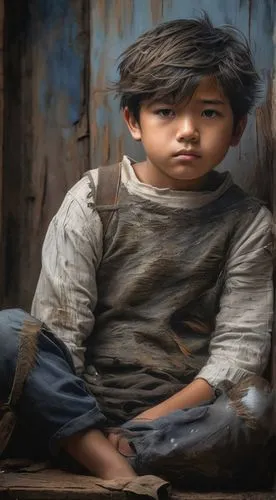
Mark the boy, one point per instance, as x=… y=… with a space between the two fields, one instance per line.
x=163 y=293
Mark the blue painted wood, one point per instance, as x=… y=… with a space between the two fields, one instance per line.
x=53 y=154
x=55 y=31
x=115 y=24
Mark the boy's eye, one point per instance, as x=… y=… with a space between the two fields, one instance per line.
x=165 y=112
x=209 y=113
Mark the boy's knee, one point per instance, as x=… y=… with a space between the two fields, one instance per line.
x=11 y=322
x=253 y=401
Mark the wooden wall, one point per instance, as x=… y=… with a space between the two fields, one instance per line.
x=59 y=55
x=46 y=128
x=2 y=13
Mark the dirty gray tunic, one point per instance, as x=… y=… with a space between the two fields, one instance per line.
x=181 y=288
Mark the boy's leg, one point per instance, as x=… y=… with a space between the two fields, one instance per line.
x=54 y=403
x=55 y=410
x=223 y=444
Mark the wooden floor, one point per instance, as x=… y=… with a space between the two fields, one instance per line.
x=35 y=483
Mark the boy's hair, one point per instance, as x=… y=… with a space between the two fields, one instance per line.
x=168 y=62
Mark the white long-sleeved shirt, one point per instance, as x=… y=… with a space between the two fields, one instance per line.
x=181 y=288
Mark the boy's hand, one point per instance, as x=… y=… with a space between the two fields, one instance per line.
x=120 y=443
x=193 y=394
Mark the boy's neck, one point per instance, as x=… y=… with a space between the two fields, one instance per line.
x=154 y=178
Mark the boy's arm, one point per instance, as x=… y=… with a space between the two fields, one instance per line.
x=93 y=450
x=65 y=298
x=197 y=392
x=66 y=292
x=240 y=344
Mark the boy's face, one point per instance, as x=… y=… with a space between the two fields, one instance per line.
x=184 y=142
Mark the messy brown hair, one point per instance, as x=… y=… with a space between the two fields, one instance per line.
x=168 y=62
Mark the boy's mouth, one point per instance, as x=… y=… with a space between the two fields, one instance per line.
x=187 y=152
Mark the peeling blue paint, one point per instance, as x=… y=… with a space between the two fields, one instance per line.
x=62 y=62
x=67 y=133
x=101 y=116
x=51 y=10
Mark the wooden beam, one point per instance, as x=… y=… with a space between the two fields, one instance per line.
x=15 y=44
x=273 y=203
x=46 y=144
x=2 y=15
x=57 y=485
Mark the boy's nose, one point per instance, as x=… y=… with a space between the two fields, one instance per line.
x=187 y=131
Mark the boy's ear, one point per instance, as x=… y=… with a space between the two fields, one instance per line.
x=132 y=124
x=239 y=130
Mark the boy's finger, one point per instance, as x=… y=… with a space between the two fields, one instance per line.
x=120 y=443
x=114 y=439
x=124 y=448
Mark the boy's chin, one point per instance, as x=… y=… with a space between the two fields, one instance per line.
x=191 y=176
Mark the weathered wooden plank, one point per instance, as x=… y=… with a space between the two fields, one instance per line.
x=249 y=495
x=273 y=188
x=114 y=25
x=58 y=485
x=47 y=486
x=49 y=126
x=15 y=28
x=2 y=14
x=38 y=482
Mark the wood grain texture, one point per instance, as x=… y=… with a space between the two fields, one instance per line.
x=46 y=140
x=273 y=190
x=55 y=484
x=2 y=16
x=58 y=485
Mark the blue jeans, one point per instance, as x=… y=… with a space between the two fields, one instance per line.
x=55 y=403
x=213 y=442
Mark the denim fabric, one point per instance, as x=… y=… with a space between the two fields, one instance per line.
x=210 y=446
x=207 y=446
x=54 y=403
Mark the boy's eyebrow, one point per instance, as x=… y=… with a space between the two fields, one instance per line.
x=200 y=100
x=212 y=101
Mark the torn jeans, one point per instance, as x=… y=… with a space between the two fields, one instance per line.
x=211 y=446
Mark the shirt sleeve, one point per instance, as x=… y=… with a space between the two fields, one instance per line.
x=66 y=292
x=240 y=344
